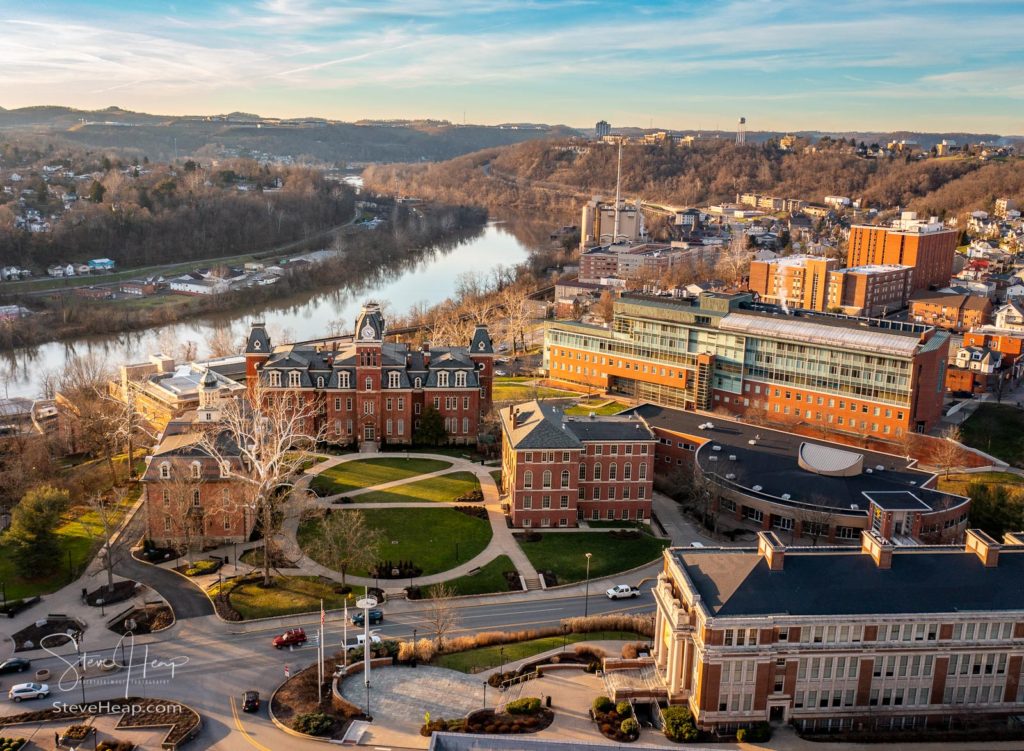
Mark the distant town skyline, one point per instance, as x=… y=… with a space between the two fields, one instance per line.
x=788 y=65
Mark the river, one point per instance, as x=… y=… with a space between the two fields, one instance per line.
x=307 y=316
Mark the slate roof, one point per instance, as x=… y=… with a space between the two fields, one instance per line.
x=481 y=343
x=738 y=582
x=258 y=340
x=545 y=426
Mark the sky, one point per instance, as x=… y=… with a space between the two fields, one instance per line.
x=783 y=64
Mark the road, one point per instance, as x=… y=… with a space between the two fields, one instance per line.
x=200 y=662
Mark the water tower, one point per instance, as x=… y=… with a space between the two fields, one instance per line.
x=741 y=131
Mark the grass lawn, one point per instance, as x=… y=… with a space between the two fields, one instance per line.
x=563 y=553
x=608 y=408
x=490 y=578
x=292 y=594
x=79 y=535
x=475 y=660
x=442 y=489
x=496 y=475
x=958 y=482
x=996 y=429
x=605 y=524
x=363 y=473
x=524 y=392
x=426 y=536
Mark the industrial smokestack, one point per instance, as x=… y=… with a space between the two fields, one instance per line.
x=618 y=204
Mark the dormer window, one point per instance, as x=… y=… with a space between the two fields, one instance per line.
x=165 y=471
x=197 y=470
x=394 y=380
x=294 y=379
x=460 y=379
x=275 y=379
x=418 y=383
x=442 y=378
x=344 y=381
x=319 y=382
x=225 y=469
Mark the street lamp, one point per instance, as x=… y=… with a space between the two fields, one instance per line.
x=366 y=603
x=586 y=596
x=485 y=694
x=565 y=635
x=501 y=655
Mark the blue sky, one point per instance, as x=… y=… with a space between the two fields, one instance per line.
x=784 y=64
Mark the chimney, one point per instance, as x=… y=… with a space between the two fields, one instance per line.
x=770 y=547
x=425 y=349
x=984 y=547
x=878 y=548
x=1013 y=538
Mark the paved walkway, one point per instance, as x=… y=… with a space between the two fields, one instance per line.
x=502 y=542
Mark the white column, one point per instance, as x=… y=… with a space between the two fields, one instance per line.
x=659 y=638
x=675 y=667
x=687 y=664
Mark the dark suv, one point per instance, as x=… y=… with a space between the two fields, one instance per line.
x=251 y=701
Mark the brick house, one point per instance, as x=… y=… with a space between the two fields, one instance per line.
x=949 y=310
x=559 y=470
x=190 y=498
x=366 y=390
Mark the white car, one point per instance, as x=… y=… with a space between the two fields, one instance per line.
x=622 y=591
x=22 y=691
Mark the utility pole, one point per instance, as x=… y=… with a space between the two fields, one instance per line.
x=618 y=202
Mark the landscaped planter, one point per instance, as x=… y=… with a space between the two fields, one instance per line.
x=42 y=674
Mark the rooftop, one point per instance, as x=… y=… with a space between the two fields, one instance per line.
x=846 y=581
x=536 y=425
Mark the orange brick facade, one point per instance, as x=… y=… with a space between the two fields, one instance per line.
x=929 y=253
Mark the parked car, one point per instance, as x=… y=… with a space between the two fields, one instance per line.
x=622 y=591
x=15 y=665
x=251 y=701
x=500 y=373
x=294 y=637
x=360 y=641
x=21 y=691
x=696 y=544
x=376 y=616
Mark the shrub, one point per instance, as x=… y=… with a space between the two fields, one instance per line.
x=313 y=723
x=679 y=724
x=204 y=566
x=741 y=735
x=525 y=705
x=630 y=726
x=406 y=651
x=623 y=709
x=759 y=733
x=592 y=667
x=591 y=653
x=425 y=650
x=607 y=729
x=603 y=704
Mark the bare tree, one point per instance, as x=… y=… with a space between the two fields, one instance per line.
x=734 y=260
x=259 y=441
x=909 y=443
x=180 y=509
x=105 y=510
x=516 y=303
x=90 y=414
x=222 y=342
x=442 y=616
x=705 y=492
x=815 y=522
x=126 y=424
x=605 y=306
x=950 y=451
x=347 y=542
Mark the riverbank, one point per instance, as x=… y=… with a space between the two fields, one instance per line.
x=365 y=258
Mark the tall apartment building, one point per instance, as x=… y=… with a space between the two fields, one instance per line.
x=602 y=129
x=367 y=390
x=723 y=351
x=926 y=246
x=769 y=203
x=558 y=470
x=880 y=637
x=644 y=261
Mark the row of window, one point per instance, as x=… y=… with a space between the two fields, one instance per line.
x=564 y=477
x=345 y=380
x=594 y=449
x=195 y=470
x=595 y=515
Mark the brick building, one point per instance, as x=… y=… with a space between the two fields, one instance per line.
x=367 y=390
x=926 y=246
x=869 y=290
x=950 y=310
x=558 y=470
x=724 y=352
x=875 y=638
x=190 y=498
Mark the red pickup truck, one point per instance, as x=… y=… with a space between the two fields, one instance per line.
x=294 y=637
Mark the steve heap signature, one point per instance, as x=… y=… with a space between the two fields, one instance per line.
x=77 y=666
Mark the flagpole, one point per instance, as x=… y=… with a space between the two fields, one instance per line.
x=344 y=638
x=320 y=658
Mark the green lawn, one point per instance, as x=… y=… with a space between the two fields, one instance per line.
x=441 y=489
x=364 y=473
x=996 y=429
x=426 y=536
x=475 y=660
x=526 y=392
x=291 y=594
x=607 y=408
x=490 y=578
x=496 y=475
x=958 y=482
x=564 y=554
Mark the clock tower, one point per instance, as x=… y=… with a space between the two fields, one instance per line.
x=369 y=341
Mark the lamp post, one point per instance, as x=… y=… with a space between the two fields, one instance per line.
x=485 y=694
x=586 y=596
x=501 y=655
x=565 y=635
x=234 y=552
x=366 y=603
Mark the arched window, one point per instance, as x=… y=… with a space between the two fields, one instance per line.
x=319 y=382
x=565 y=479
x=197 y=470
x=528 y=479
x=597 y=471
x=643 y=471
x=196 y=498
x=369 y=384
x=613 y=471
x=627 y=471
x=547 y=478
x=418 y=383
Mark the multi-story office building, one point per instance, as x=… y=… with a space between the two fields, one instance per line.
x=926 y=246
x=558 y=470
x=368 y=390
x=722 y=351
x=843 y=638
x=644 y=261
x=869 y=290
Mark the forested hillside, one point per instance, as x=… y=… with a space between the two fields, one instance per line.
x=528 y=174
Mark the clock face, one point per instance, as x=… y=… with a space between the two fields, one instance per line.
x=367 y=332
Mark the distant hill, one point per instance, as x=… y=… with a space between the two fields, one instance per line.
x=545 y=173
x=163 y=138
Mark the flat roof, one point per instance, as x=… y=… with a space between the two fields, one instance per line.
x=836 y=581
x=771 y=465
x=806 y=329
